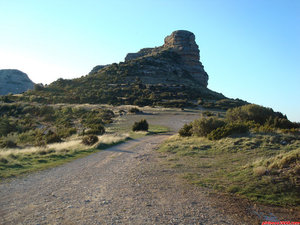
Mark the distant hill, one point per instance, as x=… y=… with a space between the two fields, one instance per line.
x=14 y=81
x=170 y=75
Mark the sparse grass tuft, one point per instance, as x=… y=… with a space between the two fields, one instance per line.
x=90 y=139
x=260 y=171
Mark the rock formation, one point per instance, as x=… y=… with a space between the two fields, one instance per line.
x=170 y=75
x=183 y=43
x=97 y=68
x=14 y=81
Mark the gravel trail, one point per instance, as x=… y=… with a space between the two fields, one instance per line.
x=124 y=184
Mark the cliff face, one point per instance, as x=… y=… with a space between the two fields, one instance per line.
x=14 y=81
x=182 y=43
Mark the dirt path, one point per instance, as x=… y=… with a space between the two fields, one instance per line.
x=125 y=184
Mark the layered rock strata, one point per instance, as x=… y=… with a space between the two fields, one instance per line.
x=183 y=43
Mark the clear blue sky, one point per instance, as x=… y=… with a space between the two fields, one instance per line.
x=249 y=48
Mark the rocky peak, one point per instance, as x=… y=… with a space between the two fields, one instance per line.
x=183 y=43
x=14 y=81
x=181 y=40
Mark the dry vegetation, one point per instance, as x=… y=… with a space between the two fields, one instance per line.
x=27 y=156
x=261 y=167
x=18 y=161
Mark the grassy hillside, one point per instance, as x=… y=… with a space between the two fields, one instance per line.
x=253 y=166
x=253 y=152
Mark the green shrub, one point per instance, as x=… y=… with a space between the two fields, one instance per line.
x=140 y=126
x=3 y=160
x=52 y=137
x=6 y=143
x=281 y=123
x=263 y=129
x=223 y=103
x=207 y=113
x=106 y=115
x=135 y=110
x=40 y=142
x=6 y=127
x=202 y=127
x=251 y=112
x=96 y=129
x=28 y=137
x=228 y=129
x=89 y=139
x=66 y=132
x=186 y=130
x=42 y=139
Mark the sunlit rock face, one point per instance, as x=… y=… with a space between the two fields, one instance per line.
x=14 y=81
x=183 y=43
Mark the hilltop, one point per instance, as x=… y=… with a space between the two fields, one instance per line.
x=171 y=75
x=14 y=81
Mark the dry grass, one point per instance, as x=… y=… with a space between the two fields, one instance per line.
x=255 y=166
x=18 y=161
x=112 y=138
x=260 y=171
x=72 y=145
x=285 y=159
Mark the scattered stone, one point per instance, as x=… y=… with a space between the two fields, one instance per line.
x=104 y=202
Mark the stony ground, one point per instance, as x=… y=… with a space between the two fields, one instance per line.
x=125 y=184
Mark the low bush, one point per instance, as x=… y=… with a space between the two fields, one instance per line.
x=6 y=143
x=186 y=130
x=207 y=113
x=281 y=123
x=135 y=110
x=90 y=139
x=28 y=137
x=6 y=127
x=202 y=127
x=251 y=112
x=66 y=132
x=141 y=126
x=228 y=129
x=96 y=129
x=52 y=137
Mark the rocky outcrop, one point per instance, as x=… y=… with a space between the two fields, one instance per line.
x=97 y=68
x=142 y=52
x=170 y=76
x=14 y=81
x=183 y=43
